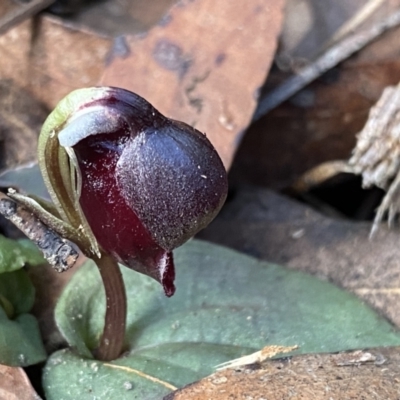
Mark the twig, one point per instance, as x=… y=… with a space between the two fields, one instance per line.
x=328 y=60
x=319 y=174
x=353 y=23
x=57 y=251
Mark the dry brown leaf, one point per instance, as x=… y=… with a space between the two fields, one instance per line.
x=115 y=17
x=49 y=58
x=21 y=117
x=371 y=374
x=204 y=64
x=15 y=385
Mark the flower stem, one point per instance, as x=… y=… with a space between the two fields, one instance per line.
x=112 y=339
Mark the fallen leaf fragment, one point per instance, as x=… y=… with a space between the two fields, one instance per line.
x=257 y=357
x=15 y=385
x=49 y=58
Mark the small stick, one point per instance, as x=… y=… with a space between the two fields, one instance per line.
x=319 y=174
x=57 y=251
x=325 y=62
x=353 y=23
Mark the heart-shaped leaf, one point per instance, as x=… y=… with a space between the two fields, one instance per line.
x=14 y=254
x=226 y=305
x=20 y=341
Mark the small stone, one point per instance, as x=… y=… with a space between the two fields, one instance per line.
x=219 y=380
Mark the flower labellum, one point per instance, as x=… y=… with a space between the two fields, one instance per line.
x=144 y=183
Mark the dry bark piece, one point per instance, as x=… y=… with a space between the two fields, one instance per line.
x=278 y=229
x=376 y=156
x=204 y=64
x=371 y=374
x=15 y=385
x=59 y=253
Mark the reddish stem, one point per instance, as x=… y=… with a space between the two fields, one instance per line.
x=112 y=339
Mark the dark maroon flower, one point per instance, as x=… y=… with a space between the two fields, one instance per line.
x=147 y=183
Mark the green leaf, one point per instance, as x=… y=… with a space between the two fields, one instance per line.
x=226 y=305
x=17 y=288
x=14 y=254
x=90 y=379
x=20 y=341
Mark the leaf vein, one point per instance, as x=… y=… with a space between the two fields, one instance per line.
x=142 y=374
